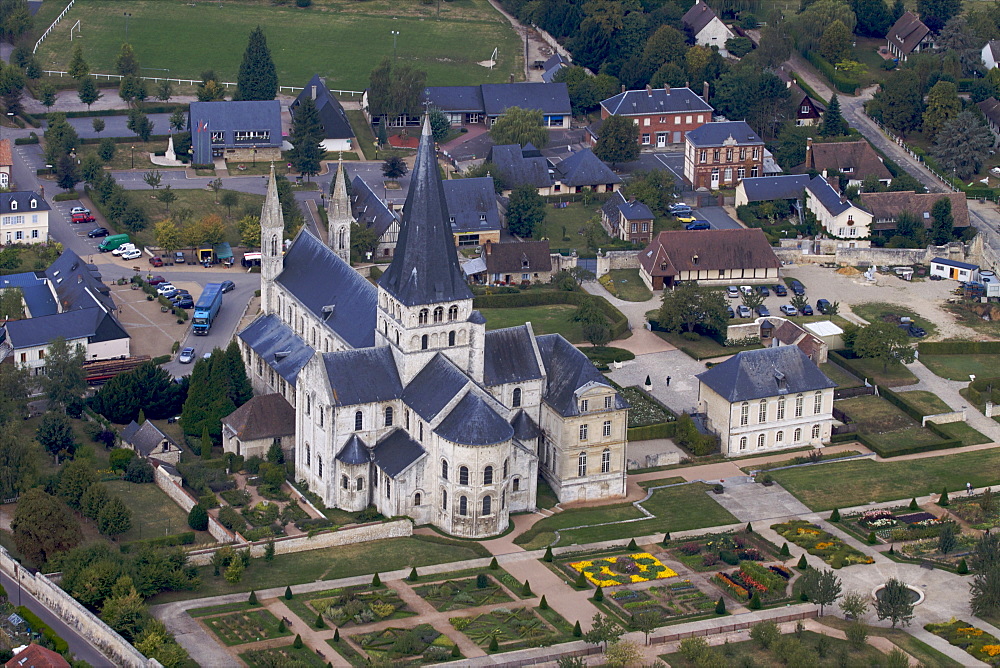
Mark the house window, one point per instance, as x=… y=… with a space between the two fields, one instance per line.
x=779 y=437
x=463 y=506
x=463 y=475
x=487 y=505
x=423 y=342
x=439 y=314
x=581 y=464
x=798 y=405
x=359 y=483
x=741 y=173
x=815 y=431
x=715 y=174
x=583 y=432
x=762 y=411
x=744 y=414
x=645 y=227
x=743 y=154
x=635 y=227
x=804 y=109
x=606 y=461
x=703 y=157
x=645 y=139
x=359 y=421
x=451 y=338
x=729 y=155
x=817 y=403
x=488 y=475
x=781 y=409
x=516 y=399
x=218 y=137
x=607 y=428
x=796 y=436
x=760 y=441
x=756 y=152
x=444 y=469
x=417 y=499
x=754 y=172
x=516 y=485
x=716 y=155
x=345 y=482
x=743 y=443
x=646 y=121
x=388 y=416
x=609 y=402
x=728 y=174
x=251 y=136
x=584 y=405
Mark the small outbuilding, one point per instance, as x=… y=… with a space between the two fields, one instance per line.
x=253 y=427
x=150 y=443
x=953 y=269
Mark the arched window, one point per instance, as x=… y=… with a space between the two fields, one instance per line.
x=453 y=312
x=359 y=484
x=744 y=414
x=817 y=403
x=516 y=398
x=503 y=500
x=439 y=314
x=743 y=443
x=444 y=469
x=463 y=475
x=423 y=342
x=779 y=437
x=516 y=485
x=451 y=338
x=388 y=416
x=422 y=317
x=345 y=482
x=322 y=412
x=581 y=464
x=417 y=499
x=606 y=461
x=463 y=506
x=308 y=405
x=274 y=245
x=319 y=461
x=799 y=400
x=444 y=500
x=359 y=421
x=505 y=462
x=341 y=239
x=796 y=436
x=487 y=505
x=760 y=441
x=488 y=475
x=816 y=431
x=762 y=411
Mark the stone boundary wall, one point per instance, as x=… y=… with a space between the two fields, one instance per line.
x=944 y=418
x=627 y=259
x=183 y=499
x=84 y=622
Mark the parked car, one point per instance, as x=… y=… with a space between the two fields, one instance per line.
x=731 y=312
x=179 y=258
x=743 y=311
x=81 y=218
x=164 y=288
x=156 y=261
x=788 y=309
x=916 y=332
x=764 y=291
x=937 y=277
x=746 y=289
x=780 y=290
x=807 y=310
x=732 y=292
x=228 y=286
x=180 y=296
x=822 y=305
x=98 y=232
x=186 y=356
x=78 y=209
x=185 y=302
x=798 y=288
x=762 y=311
x=677 y=207
x=156 y=280
x=124 y=248
x=698 y=225
x=133 y=254
x=685 y=216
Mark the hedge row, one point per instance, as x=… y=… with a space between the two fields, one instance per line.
x=898 y=452
x=843 y=438
x=838 y=358
x=899 y=402
x=619 y=322
x=146 y=109
x=649 y=432
x=982 y=390
x=842 y=83
x=38 y=626
x=959 y=347
x=123 y=140
x=185 y=538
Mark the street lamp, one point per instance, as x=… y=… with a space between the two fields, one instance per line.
x=395 y=34
x=376 y=150
x=127 y=15
x=133 y=156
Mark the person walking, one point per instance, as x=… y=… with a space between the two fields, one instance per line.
x=668 y=381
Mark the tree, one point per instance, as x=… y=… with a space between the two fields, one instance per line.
x=963 y=145
x=167 y=197
x=942 y=106
x=216 y=186
x=78 y=67
x=654 y=188
x=75 y=478
x=854 y=605
x=178 y=120
x=229 y=199
x=440 y=125
x=936 y=13
x=43 y=526
x=124 y=610
x=115 y=518
x=619 y=140
x=198 y=517
x=519 y=126
x=739 y=46
x=943 y=228
x=127 y=64
x=56 y=435
x=153 y=178
x=857 y=634
x=60 y=138
x=756 y=95
x=139 y=471
x=140 y=124
x=67 y=175
x=258 y=78
x=88 y=92
x=98 y=125
x=752 y=300
x=646 y=621
x=621 y=654
x=884 y=342
x=106 y=149
x=765 y=633
x=894 y=603
x=146 y=387
x=94 y=500
x=874 y=18
x=835 y=44
x=11 y=85
x=525 y=211
x=822 y=587
x=364 y=241
x=985 y=585
x=603 y=631
x=209 y=90
x=394 y=167
x=306 y=137
x=47 y=94
x=833 y=124
x=395 y=89
x=689 y=305
x=132 y=89
x=809 y=26
x=899 y=102
x=948 y=537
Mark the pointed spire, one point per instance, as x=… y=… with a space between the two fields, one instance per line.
x=339 y=201
x=270 y=213
x=424 y=268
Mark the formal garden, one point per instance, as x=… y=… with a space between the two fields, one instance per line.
x=981 y=511
x=671 y=602
x=712 y=552
x=287 y=655
x=414 y=646
x=768 y=583
x=893 y=525
x=241 y=623
x=821 y=543
x=621 y=570
x=977 y=642
x=483 y=589
x=505 y=629
x=350 y=606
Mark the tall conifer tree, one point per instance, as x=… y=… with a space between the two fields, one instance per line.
x=258 y=79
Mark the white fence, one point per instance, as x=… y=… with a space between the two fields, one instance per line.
x=194 y=82
x=49 y=29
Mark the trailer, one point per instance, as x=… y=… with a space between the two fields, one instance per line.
x=206 y=308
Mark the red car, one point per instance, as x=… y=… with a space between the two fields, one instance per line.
x=156 y=261
x=82 y=218
x=156 y=280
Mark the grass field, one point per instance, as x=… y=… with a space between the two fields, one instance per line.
x=963 y=432
x=875 y=414
x=339 y=40
x=626 y=284
x=853 y=483
x=190 y=207
x=919 y=650
x=838 y=374
x=926 y=402
x=551 y=319
x=875 y=311
x=703 y=348
x=893 y=375
x=153 y=513
x=958 y=367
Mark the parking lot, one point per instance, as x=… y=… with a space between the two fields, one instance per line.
x=153 y=332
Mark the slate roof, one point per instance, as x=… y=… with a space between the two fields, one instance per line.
x=768 y=372
x=510 y=356
x=6 y=157
x=396 y=452
x=517 y=257
x=354 y=451
x=583 y=168
x=699 y=16
x=656 y=101
x=673 y=252
x=231 y=115
x=767 y=188
x=368 y=209
x=854 y=159
x=331 y=114
x=352 y=297
x=954 y=263
x=525 y=428
x=991 y=110
x=438 y=383
x=716 y=134
x=362 y=376
x=146 y=439
x=424 y=268
x=473 y=422
x=518 y=166
x=23 y=199
x=93 y=324
x=39 y=300
x=887 y=206
x=791 y=334
x=567 y=370
x=472 y=204
x=264 y=416
x=552 y=66
x=617 y=207
x=278 y=345
x=993 y=45
x=549 y=98
x=831 y=200
x=76 y=285
x=907 y=32
x=467 y=99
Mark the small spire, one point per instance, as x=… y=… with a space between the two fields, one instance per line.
x=426 y=132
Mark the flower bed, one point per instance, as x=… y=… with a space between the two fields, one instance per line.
x=678 y=598
x=423 y=643
x=469 y=593
x=628 y=569
x=979 y=512
x=769 y=581
x=975 y=641
x=513 y=629
x=821 y=543
x=360 y=604
x=237 y=628
x=890 y=527
x=718 y=551
x=929 y=550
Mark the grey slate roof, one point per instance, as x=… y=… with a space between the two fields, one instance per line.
x=629 y=210
x=331 y=114
x=438 y=382
x=568 y=370
x=509 y=356
x=231 y=115
x=549 y=98
x=517 y=257
x=354 y=451
x=525 y=428
x=264 y=416
x=552 y=66
x=519 y=166
x=396 y=451
x=23 y=199
x=469 y=200
x=352 y=297
x=767 y=188
x=424 y=268
x=714 y=134
x=698 y=16
x=468 y=99
x=362 y=376
x=39 y=300
x=473 y=422
x=655 y=101
x=146 y=439
x=368 y=209
x=76 y=285
x=768 y=372
x=278 y=345
x=820 y=189
x=583 y=168
x=92 y=324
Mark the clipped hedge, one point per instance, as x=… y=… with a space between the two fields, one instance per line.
x=913 y=449
x=125 y=140
x=660 y=430
x=619 y=322
x=982 y=390
x=186 y=538
x=840 y=82
x=959 y=347
x=39 y=626
x=146 y=108
x=30 y=139
x=896 y=400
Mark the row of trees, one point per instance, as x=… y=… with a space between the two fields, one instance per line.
x=219 y=385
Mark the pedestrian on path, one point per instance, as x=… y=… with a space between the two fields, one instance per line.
x=968 y=488
x=668 y=381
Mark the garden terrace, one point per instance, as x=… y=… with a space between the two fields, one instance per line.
x=977 y=642
x=466 y=593
x=421 y=644
x=246 y=626
x=282 y=656
x=981 y=511
x=672 y=602
x=347 y=606
x=821 y=543
x=713 y=552
x=929 y=550
x=515 y=628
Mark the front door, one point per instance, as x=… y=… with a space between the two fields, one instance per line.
x=715 y=179
x=661 y=139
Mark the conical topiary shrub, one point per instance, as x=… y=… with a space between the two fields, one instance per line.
x=599 y=593
x=913 y=504
x=253 y=598
x=288 y=593
x=835 y=515
x=493 y=564
x=872 y=538
x=336 y=635
x=755 y=602
x=648 y=381
x=892 y=549
x=543 y=604
x=455 y=652
x=320 y=623
x=297 y=643
x=281 y=626
x=577 y=631
x=548 y=554
x=803 y=596
x=803 y=564
x=581 y=581
x=526 y=589
x=720 y=606
x=632 y=545
x=412 y=577
x=749 y=528
x=784 y=550
x=943 y=501
x=494 y=645
x=963 y=568
x=376 y=581
x=666 y=539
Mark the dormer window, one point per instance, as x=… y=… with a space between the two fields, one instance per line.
x=13 y=205
x=525 y=264
x=694 y=260
x=34 y=204
x=782 y=382
x=584 y=404
x=482 y=216
x=451 y=219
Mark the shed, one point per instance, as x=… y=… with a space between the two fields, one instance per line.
x=253 y=427
x=953 y=269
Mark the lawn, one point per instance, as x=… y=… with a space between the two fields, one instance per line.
x=238 y=628
x=626 y=284
x=567 y=227
x=125 y=157
x=891 y=313
x=963 y=432
x=190 y=207
x=852 y=483
x=958 y=367
x=875 y=415
x=838 y=374
x=921 y=651
x=874 y=372
x=153 y=512
x=551 y=319
x=357 y=36
x=704 y=347
x=927 y=403
x=748 y=653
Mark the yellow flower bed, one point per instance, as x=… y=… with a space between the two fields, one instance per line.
x=823 y=546
x=971 y=631
x=603 y=576
x=991 y=650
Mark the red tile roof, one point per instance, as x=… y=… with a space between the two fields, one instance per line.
x=673 y=252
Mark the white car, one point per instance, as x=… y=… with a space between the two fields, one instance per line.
x=133 y=254
x=746 y=289
x=79 y=209
x=124 y=248
x=164 y=288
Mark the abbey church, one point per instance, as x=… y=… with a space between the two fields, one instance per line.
x=403 y=399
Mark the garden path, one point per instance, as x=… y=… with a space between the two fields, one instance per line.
x=642 y=341
x=947 y=391
x=315 y=639
x=750 y=502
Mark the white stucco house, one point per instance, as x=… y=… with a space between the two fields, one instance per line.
x=838 y=215
x=991 y=53
x=707 y=28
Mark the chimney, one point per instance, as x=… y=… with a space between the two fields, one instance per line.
x=314 y=92
x=809 y=143
x=649 y=90
x=623 y=88
x=704 y=91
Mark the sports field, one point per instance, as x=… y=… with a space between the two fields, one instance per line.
x=339 y=40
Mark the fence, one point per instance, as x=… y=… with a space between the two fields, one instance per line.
x=193 y=82
x=848 y=392
x=913 y=154
x=49 y=29
x=729 y=628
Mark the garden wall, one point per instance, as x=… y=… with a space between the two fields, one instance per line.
x=77 y=617
x=183 y=499
x=959 y=347
x=624 y=259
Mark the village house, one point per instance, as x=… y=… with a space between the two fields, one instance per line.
x=630 y=220
x=808 y=110
x=147 y=441
x=473 y=211
x=907 y=36
x=991 y=112
x=664 y=115
x=777 y=332
x=719 y=155
x=855 y=160
x=518 y=262
x=771 y=188
x=886 y=207
x=991 y=54
x=838 y=215
x=6 y=164
x=337 y=132
x=241 y=131
x=24 y=218
x=252 y=428
x=707 y=28
x=517 y=165
x=711 y=257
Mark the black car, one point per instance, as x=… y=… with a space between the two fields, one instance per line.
x=186 y=302
x=798 y=288
x=780 y=290
x=763 y=312
x=822 y=305
x=731 y=312
x=764 y=291
x=98 y=232
x=228 y=286
x=806 y=310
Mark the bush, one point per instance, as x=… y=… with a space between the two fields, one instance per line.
x=38 y=626
x=231 y=519
x=198 y=518
x=186 y=538
x=119 y=458
x=139 y=471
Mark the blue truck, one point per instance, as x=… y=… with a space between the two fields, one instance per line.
x=207 y=308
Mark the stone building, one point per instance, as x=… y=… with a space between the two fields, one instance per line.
x=404 y=401
x=720 y=155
